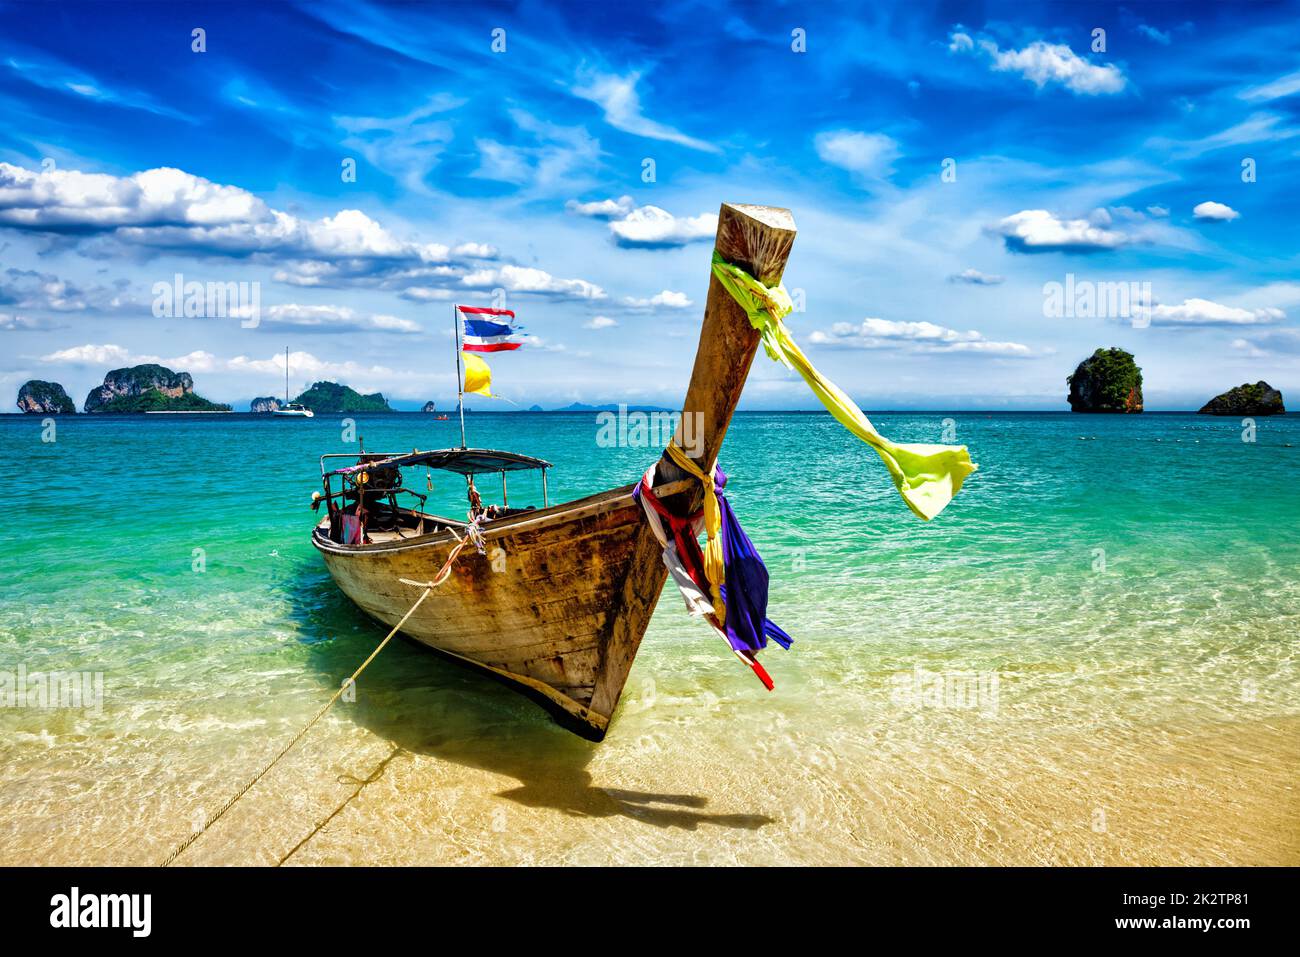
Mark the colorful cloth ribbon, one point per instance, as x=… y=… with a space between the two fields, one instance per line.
x=743 y=582
x=714 y=566
x=927 y=476
x=746 y=628
x=747 y=625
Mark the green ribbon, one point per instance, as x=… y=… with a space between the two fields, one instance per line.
x=927 y=476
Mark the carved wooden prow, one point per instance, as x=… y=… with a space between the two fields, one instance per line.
x=758 y=239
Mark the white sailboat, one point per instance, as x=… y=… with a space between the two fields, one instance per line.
x=293 y=409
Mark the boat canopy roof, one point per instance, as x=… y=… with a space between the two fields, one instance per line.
x=464 y=461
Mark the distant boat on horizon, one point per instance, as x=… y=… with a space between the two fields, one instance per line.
x=291 y=409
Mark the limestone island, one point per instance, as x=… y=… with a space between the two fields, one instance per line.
x=1107 y=381
x=148 y=388
x=332 y=397
x=1246 y=399
x=44 y=398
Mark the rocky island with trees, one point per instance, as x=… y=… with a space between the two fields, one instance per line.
x=1109 y=380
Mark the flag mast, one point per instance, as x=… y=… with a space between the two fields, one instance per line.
x=460 y=381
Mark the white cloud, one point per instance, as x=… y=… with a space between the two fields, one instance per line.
x=924 y=337
x=426 y=294
x=68 y=199
x=301 y=363
x=55 y=75
x=1203 y=312
x=1283 y=86
x=1216 y=212
x=959 y=42
x=1159 y=212
x=867 y=155
x=1159 y=36
x=406 y=147
x=976 y=278
x=334 y=319
x=112 y=355
x=545 y=345
x=168 y=209
x=1279 y=342
x=602 y=208
x=524 y=279
x=1260 y=127
x=668 y=299
x=650 y=227
x=561 y=157
x=600 y=322
x=1037 y=230
x=47 y=292
x=9 y=322
x=307 y=366
x=1048 y=63
x=196 y=361
x=475 y=251
x=617 y=96
x=89 y=355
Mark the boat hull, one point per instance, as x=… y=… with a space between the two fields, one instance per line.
x=551 y=604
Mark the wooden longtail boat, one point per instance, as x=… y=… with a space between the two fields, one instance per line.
x=560 y=597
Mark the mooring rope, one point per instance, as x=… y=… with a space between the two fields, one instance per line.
x=374 y=776
x=428 y=586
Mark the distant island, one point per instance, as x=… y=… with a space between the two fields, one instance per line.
x=609 y=407
x=1109 y=380
x=45 y=398
x=332 y=397
x=1246 y=399
x=148 y=388
x=430 y=406
x=264 y=403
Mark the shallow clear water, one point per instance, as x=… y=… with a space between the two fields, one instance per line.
x=1090 y=657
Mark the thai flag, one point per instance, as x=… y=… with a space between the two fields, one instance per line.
x=488 y=330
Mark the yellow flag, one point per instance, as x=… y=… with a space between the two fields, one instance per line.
x=478 y=377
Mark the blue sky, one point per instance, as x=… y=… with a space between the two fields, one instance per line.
x=129 y=157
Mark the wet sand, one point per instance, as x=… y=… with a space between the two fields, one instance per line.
x=400 y=793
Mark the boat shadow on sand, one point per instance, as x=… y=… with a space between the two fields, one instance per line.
x=428 y=705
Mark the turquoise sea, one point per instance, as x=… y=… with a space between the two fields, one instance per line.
x=1090 y=657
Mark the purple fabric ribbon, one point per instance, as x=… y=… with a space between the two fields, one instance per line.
x=745 y=592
